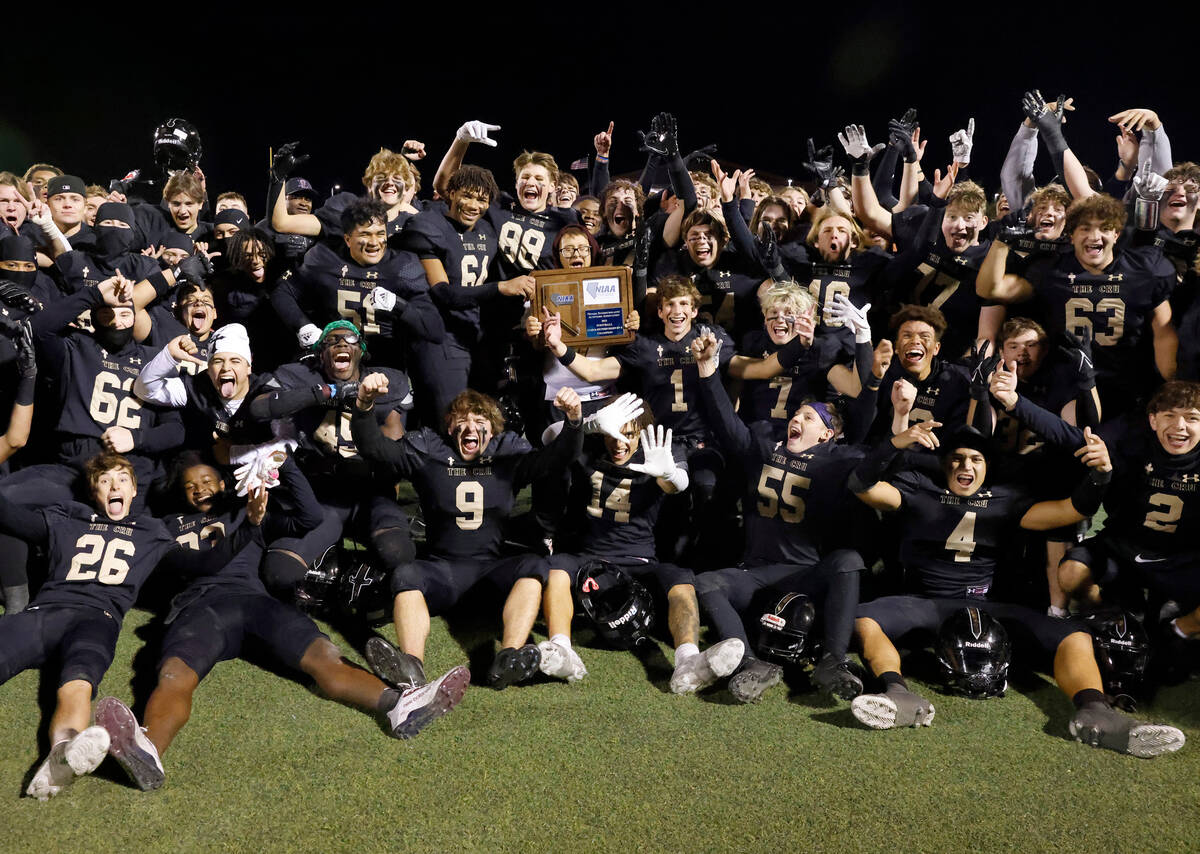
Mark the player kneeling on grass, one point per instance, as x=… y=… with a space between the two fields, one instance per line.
x=211 y=617
x=953 y=532
x=466 y=481
x=99 y=557
x=629 y=477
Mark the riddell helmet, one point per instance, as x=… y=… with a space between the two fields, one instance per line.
x=974 y=652
x=315 y=594
x=617 y=603
x=1122 y=651
x=783 y=631
x=364 y=592
x=176 y=145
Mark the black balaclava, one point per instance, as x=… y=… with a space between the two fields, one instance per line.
x=18 y=248
x=111 y=241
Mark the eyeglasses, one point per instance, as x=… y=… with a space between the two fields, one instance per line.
x=574 y=251
x=335 y=340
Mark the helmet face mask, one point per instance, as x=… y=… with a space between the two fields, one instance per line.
x=618 y=605
x=974 y=653
x=784 y=630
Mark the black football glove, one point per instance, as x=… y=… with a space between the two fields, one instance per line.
x=820 y=163
x=194 y=268
x=982 y=362
x=1011 y=235
x=661 y=139
x=26 y=360
x=1048 y=121
x=1077 y=350
x=15 y=296
x=900 y=132
x=285 y=160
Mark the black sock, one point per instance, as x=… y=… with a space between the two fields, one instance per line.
x=1089 y=697
x=892 y=679
x=16 y=598
x=387 y=700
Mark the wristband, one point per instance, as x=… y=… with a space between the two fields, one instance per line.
x=1089 y=493
x=600 y=158
x=568 y=357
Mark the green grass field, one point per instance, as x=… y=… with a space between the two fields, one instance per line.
x=615 y=763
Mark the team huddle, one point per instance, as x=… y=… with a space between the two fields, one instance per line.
x=874 y=416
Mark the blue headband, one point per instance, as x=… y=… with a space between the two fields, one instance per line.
x=822 y=411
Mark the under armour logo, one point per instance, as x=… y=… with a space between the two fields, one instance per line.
x=1190 y=478
x=1117 y=277
x=372 y=275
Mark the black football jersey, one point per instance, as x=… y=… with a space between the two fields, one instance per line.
x=667 y=378
x=1113 y=308
x=942 y=396
x=854 y=279
x=525 y=239
x=950 y=544
x=623 y=505
x=96 y=562
x=776 y=400
x=466 y=254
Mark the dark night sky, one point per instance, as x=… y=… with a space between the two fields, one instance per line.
x=758 y=88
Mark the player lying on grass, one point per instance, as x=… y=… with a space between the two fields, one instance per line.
x=210 y=619
x=953 y=529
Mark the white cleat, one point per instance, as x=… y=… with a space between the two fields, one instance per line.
x=68 y=760
x=561 y=662
x=418 y=707
x=892 y=709
x=704 y=668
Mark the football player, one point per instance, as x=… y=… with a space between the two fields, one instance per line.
x=796 y=487
x=952 y=538
x=212 y=616
x=466 y=480
x=99 y=557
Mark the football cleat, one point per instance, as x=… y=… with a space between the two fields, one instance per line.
x=420 y=706
x=67 y=760
x=834 y=676
x=396 y=668
x=514 y=665
x=128 y=744
x=560 y=661
x=1101 y=726
x=897 y=707
x=752 y=681
x=704 y=668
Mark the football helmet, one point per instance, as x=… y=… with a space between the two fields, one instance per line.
x=783 y=631
x=617 y=603
x=1122 y=649
x=364 y=592
x=176 y=146
x=974 y=652
x=315 y=594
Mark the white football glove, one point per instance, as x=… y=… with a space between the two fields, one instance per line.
x=854 y=141
x=613 y=417
x=656 y=448
x=962 y=141
x=385 y=300
x=477 y=131
x=308 y=335
x=1149 y=185
x=853 y=318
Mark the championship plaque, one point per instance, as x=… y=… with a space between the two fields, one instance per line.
x=592 y=301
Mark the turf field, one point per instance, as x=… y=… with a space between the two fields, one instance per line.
x=615 y=763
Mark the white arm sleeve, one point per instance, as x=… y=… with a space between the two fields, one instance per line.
x=159 y=381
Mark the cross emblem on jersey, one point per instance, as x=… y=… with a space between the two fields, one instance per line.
x=85 y=272
x=660 y=351
x=1149 y=468
x=1071 y=278
x=449 y=461
x=345 y=269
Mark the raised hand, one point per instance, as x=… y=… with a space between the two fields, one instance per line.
x=962 y=141
x=476 y=131
x=662 y=138
x=413 y=149
x=1147 y=184
x=1094 y=453
x=1077 y=350
x=656 y=448
x=285 y=159
x=820 y=163
x=1003 y=385
x=183 y=349
x=603 y=141
x=857 y=148
x=904 y=396
x=853 y=318
x=883 y=358
x=943 y=183
x=609 y=420
x=1136 y=119
x=371 y=387
x=982 y=362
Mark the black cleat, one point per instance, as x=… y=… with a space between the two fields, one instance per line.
x=1100 y=726
x=396 y=668
x=753 y=679
x=834 y=676
x=514 y=665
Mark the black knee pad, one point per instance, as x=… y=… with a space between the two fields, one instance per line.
x=394 y=547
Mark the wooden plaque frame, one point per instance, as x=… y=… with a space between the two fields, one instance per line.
x=594 y=303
